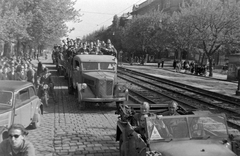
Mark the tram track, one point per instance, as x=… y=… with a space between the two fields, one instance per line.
x=158 y=90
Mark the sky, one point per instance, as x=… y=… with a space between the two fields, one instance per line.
x=98 y=13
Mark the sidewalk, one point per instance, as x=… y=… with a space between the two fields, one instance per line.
x=168 y=66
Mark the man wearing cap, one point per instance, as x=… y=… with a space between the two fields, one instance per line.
x=110 y=48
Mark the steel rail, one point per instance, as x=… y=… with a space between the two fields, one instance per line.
x=219 y=105
x=200 y=91
x=230 y=123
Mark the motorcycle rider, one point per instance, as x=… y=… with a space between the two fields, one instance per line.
x=47 y=79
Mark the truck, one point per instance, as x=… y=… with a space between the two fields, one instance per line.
x=93 y=79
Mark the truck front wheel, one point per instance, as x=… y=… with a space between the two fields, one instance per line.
x=70 y=87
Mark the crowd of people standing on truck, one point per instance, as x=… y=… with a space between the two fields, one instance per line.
x=72 y=47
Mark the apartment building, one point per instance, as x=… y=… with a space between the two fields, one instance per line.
x=150 y=6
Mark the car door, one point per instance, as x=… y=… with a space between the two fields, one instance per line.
x=34 y=100
x=22 y=108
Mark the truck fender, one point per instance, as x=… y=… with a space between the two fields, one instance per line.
x=84 y=93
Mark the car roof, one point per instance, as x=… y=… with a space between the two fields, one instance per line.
x=95 y=58
x=9 y=85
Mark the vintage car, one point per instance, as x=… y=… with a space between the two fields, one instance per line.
x=199 y=133
x=18 y=104
x=93 y=78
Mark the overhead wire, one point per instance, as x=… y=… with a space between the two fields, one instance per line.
x=118 y=13
x=97 y=13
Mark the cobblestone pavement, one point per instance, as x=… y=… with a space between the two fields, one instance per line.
x=66 y=130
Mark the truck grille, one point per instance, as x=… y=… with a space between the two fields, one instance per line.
x=109 y=88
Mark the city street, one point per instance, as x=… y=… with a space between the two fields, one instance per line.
x=66 y=130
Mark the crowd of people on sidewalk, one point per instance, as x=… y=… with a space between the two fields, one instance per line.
x=22 y=69
x=190 y=67
x=16 y=69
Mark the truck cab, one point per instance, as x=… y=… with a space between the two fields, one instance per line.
x=93 y=78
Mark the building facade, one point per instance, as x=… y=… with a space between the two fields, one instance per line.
x=150 y=6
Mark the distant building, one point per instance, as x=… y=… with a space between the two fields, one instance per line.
x=150 y=6
x=124 y=18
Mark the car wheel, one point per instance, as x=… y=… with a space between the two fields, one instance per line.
x=38 y=119
x=70 y=88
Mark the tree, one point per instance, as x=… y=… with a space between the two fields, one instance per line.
x=36 y=23
x=138 y=33
x=215 y=24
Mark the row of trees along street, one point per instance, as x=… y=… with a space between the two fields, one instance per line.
x=34 y=24
x=201 y=26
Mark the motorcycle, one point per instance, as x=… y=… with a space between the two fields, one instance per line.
x=45 y=94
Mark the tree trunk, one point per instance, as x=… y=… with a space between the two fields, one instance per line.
x=18 y=48
x=203 y=57
x=30 y=52
x=24 y=50
x=210 y=67
x=7 y=48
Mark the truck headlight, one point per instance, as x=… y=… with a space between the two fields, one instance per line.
x=121 y=88
x=84 y=86
x=45 y=86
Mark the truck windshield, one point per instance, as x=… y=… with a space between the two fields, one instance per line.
x=192 y=127
x=90 y=65
x=107 y=66
x=5 y=98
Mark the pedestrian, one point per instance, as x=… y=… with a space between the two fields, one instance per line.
x=162 y=63
x=159 y=63
x=30 y=74
x=174 y=64
x=17 y=144
x=20 y=74
x=11 y=74
x=3 y=74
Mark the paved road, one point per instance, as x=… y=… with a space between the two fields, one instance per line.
x=66 y=130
